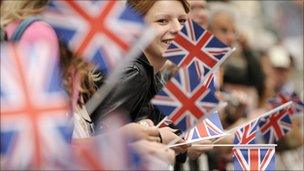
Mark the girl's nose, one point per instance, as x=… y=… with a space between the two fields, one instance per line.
x=175 y=27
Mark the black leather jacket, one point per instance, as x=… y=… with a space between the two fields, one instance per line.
x=133 y=93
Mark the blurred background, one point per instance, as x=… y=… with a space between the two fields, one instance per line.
x=268 y=37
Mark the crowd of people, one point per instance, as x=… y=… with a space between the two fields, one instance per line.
x=246 y=81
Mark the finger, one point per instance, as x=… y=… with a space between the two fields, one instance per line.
x=152 y=131
x=185 y=146
x=149 y=122
x=180 y=140
x=154 y=139
x=179 y=149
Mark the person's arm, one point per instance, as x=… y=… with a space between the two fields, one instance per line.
x=146 y=148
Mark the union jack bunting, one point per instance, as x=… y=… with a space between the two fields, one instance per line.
x=283 y=97
x=246 y=134
x=100 y=31
x=35 y=130
x=184 y=96
x=194 y=44
x=254 y=158
x=209 y=127
x=275 y=126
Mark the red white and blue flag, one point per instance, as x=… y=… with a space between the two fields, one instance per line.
x=246 y=134
x=100 y=31
x=35 y=129
x=283 y=97
x=210 y=127
x=194 y=44
x=185 y=96
x=254 y=158
x=276 y=125
x=112 y=150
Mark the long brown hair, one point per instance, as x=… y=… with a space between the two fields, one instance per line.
x=143 y=6
x=19 y=10
x=78 y=74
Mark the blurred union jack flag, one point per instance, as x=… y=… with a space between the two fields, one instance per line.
x=100 y=31
x=275 y=126
x=110 y=151
x=246 y=134
x=184 y=97
x=34 y=123
x=254 y=158
x=194 y=44
x=208 y=128
x=283 y=97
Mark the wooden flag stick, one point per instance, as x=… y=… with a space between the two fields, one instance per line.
x=264 y=115
x=173 y=142
x=161 y=122
x=197 y=140
x=221 y=105
x=234 y=145
x=219 y=63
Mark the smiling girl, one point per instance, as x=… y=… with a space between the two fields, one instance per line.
x=141 y=80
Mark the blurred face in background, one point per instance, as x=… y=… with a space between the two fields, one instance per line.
x=223 y=27
x=281 y=77
x=199 y=12
x=167 y=18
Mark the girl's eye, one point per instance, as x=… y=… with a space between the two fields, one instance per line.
x=182 y=21
x=162 y=21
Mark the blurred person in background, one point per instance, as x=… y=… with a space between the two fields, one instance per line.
x=241 y=81
x=282 y=67
x=199 y=12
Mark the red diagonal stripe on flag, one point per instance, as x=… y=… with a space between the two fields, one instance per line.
x=187 y=103
x=98 y=26
x=239 y=158
x=30 y=110
x=285 y=99
x=267 y=155
x=245 y=139
x=195 y=50
x=272 y=121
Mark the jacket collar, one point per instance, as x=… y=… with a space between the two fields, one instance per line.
x=144 y=61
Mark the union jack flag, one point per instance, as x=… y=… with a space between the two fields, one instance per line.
x=100 y=31
x=185 y=96
x=254 y=158
x=110 y=151
x=283 y=97
x=194 y=44
x=275 y=126
x=85 y=157
x=34 y=108
x=209 y=127
x=246 y=134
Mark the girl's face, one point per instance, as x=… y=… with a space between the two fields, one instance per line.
x=167 y=18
